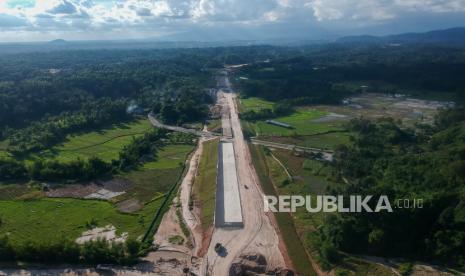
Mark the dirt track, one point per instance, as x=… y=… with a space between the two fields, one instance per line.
x=258 y=234
x=186 y=188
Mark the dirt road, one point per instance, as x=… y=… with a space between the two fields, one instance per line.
x=186 y=188
x=158 y=124
x=326 y=154
x=258 y=235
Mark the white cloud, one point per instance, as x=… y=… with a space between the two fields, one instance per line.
x=377 y=10
x=144 y=15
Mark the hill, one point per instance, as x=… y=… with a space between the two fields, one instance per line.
x=58 y=41
x=447 y=36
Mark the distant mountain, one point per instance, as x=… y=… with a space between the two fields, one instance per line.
x=58 y=41
x=447 y=36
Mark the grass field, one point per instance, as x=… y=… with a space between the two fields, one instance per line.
x=156 y=177
x=205 y=183
x=255 y=104
x=3 y=147
x=14 y=191
x=169 y=157
x=46 y=219
x=54 y=219
x=322 y=141
x=302 y=122
x=104 y=144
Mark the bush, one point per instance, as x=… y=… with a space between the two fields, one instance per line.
x=68 y=251
x=405 y=269
x=329 y=253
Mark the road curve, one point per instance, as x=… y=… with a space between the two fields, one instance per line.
x=159 y=124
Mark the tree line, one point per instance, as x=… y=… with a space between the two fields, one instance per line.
x=93 y=167
x=386 y=158
x=98 y=251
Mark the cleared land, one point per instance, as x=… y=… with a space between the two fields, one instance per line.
x=205 y=183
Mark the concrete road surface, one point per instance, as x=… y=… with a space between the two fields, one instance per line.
x=258 y=234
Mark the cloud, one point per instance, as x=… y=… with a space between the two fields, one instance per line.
x=10 y=21
x=65 y=7
x=379 y=10
x=148 y=17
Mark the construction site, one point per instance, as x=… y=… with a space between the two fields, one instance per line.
x=243 y=237
x=228 y=211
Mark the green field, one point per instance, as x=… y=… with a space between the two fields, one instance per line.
x=322 y=141
x=306 y=130
x=170 y=156
x=14 y=191
x=46 y=219
x=156 y=177
x=105 y=143
x=302 y=122
x=205 y=183
x=255 y=104
x=3 y=147
x=54 y=219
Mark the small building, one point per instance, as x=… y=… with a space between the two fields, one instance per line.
x=276 y=123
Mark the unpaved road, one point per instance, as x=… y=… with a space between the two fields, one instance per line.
x=158 y=124
x=326 y=154
x=258 y=235
x=192 y=222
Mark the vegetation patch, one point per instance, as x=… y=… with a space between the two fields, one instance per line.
x=169 y=157
x=354 y=266
x=14 y=191
x=205 y=183
x=176 y=240
x=295 y=248
x=104 y=144
x=254 y=104
x=301 y=122
x=54 y=219
x=330 y=140
x=214 y=125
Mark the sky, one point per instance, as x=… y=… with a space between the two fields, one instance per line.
x=219 y=20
